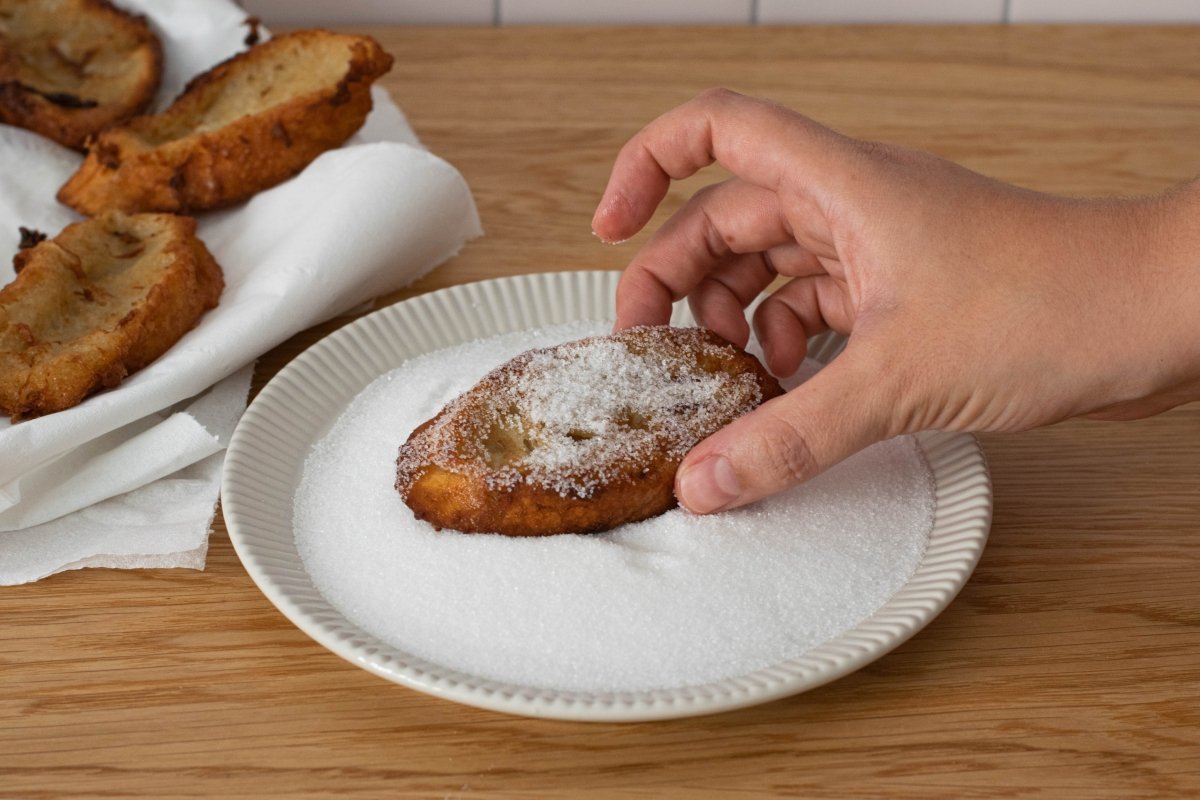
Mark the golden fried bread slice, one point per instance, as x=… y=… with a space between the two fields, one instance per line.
x=100 y=300
x=69 y=68
x=244 y=126
x=578 y=438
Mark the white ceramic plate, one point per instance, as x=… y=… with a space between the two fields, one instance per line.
x=296 y=409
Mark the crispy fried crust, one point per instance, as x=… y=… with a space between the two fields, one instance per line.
x=578 y=438
x=244 y=126
x=69 y=68
x=102 y=299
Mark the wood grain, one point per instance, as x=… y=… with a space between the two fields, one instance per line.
x=1069 y=667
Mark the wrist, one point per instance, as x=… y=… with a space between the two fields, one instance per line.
x=1178 y=245
x=1171 y=253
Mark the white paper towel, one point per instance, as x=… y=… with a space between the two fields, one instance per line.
x=359 y=222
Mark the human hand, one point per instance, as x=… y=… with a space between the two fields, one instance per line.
x=970 y=305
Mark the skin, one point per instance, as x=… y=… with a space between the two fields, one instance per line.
x=970 y=304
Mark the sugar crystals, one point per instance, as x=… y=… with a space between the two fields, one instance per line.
x=672 y=601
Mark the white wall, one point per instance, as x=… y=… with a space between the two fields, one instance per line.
x=725 y=12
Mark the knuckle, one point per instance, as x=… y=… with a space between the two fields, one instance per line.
x=786 y=452
x=717 y=95
x=713 y=237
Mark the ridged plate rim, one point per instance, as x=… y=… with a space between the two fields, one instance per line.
x=295 y=409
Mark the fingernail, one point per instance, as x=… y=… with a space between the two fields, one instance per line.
x=709 y=485
x=612 y=208
x=609 y=241
x=598 y=217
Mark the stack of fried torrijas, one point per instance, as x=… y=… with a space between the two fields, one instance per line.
x=108 y=295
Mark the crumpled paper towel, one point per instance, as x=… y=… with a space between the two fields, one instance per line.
x=129 y=478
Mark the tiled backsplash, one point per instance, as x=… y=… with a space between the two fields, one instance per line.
x=724 y=12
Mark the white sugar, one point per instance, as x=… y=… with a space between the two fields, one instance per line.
x=676 y=600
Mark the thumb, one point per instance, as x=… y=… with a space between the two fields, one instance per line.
x=789 y=439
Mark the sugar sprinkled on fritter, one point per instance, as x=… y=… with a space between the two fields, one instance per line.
x=579 y=437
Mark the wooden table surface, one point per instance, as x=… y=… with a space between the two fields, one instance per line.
x=1068 y=667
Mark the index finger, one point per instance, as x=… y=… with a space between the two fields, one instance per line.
x=718 y=236
x=760 y=142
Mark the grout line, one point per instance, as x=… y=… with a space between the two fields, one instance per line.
x=496 y=13
x=753 y=11
x=1005 y=12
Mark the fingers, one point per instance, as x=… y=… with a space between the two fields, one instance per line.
x=842 y=409
x=716 y=226
x=698 y=254
x=723 y=248
x=800 y=309
x=758 y=141
x=719 y=301
x=736 y=282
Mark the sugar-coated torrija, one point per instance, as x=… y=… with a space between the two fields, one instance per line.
x=578 y=438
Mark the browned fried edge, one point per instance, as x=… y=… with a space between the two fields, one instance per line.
x=142 y=335
x=71 y=120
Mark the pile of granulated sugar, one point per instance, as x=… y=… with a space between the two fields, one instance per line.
x=676 y=600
